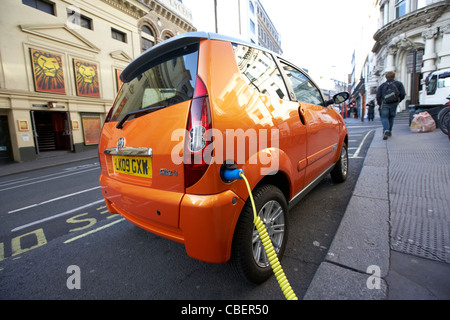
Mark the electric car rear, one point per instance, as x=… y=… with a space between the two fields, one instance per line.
x=196 y=105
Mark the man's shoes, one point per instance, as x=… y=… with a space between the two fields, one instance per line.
x=386 y=134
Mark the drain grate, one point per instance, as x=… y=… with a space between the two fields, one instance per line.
x=419 y=183
x=427 y=238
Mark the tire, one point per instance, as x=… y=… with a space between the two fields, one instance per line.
x=340 y=172
x=444 y=120
x=248 y=257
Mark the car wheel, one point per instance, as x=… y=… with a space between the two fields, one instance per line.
x=248 y=256
x=340 y=171
x=444 y=120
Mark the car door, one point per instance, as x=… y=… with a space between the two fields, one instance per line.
x=322 y=124
x=262 y=73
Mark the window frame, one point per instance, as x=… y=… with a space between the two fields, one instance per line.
x=133 y=91
x=118 y=32
x=400 y=8
x=36 y=5
x=432 y=85
x=251 y=7
x=289 y=84
x=246 y=75
x=82 y=18
x=147 y=37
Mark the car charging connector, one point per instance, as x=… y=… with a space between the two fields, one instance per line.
x=231 y=174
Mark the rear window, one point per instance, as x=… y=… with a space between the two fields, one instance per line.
x=166 y=83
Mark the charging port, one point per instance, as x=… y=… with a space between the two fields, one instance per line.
x=229 y=171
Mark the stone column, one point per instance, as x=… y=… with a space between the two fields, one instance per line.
x=429 y=57
x=444 y=54
x=390 y=60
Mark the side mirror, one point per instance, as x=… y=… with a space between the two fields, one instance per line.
x=338 y=98
x=341 y=97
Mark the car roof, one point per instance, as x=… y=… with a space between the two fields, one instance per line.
x=158 y=52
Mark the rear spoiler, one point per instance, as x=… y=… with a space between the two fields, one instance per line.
x=164 y=50
x=159 y=53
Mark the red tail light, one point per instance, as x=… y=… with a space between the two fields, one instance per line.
x=198 y=135
x=108 y=117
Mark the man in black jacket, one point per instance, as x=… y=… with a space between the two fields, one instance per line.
x=389 y=95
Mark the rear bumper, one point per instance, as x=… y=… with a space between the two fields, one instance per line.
x=205 y=223
x=208 y=224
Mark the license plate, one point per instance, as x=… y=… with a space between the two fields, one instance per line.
x=134 y=166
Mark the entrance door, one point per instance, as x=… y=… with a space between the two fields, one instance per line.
x=5 y=141
x=52 y=130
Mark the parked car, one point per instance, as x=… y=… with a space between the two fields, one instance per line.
x=201 y=103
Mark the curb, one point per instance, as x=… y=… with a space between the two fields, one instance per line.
x=357 y=262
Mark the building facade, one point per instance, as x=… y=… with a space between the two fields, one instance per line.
x=60 y=62
x=247 y=20
x=413 y=39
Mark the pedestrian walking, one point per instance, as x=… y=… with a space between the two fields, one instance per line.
x=371 y=110
x=389 y=95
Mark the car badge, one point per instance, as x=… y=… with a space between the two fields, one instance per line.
x=120 y=143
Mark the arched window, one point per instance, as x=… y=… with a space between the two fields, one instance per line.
x=167 y=35
x=147 y=38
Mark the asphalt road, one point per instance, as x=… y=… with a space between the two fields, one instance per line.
x=57 y=241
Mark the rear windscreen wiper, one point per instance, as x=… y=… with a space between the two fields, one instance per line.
x=137 y=113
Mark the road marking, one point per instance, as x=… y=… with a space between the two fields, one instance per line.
x=14 y=181
x=356 y=154
x=16 y=245
x=48 y=179
x=58 y=215
x=93 y=231
x=52 y=200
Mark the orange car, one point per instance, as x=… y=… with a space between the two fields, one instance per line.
x=200 y=104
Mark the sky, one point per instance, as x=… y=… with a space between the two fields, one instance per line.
x=318 y=35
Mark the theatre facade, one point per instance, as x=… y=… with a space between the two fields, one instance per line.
x=60 y=63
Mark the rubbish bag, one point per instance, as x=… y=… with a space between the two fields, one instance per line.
x=422 y=122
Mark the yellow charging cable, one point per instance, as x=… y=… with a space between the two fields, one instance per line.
x=271 y=254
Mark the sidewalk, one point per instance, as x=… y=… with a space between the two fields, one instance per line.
x=393 y=242
x=46 y=160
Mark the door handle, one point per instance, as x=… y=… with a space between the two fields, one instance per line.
x=300 y=114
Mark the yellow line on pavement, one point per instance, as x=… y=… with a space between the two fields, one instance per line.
x=93 y=231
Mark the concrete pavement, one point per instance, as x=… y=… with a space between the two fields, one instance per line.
x=393 y=241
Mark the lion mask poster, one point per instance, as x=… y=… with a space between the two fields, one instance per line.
x=48 y=72
x=86 y=77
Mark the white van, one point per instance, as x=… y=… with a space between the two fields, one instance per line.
x=437 y=87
